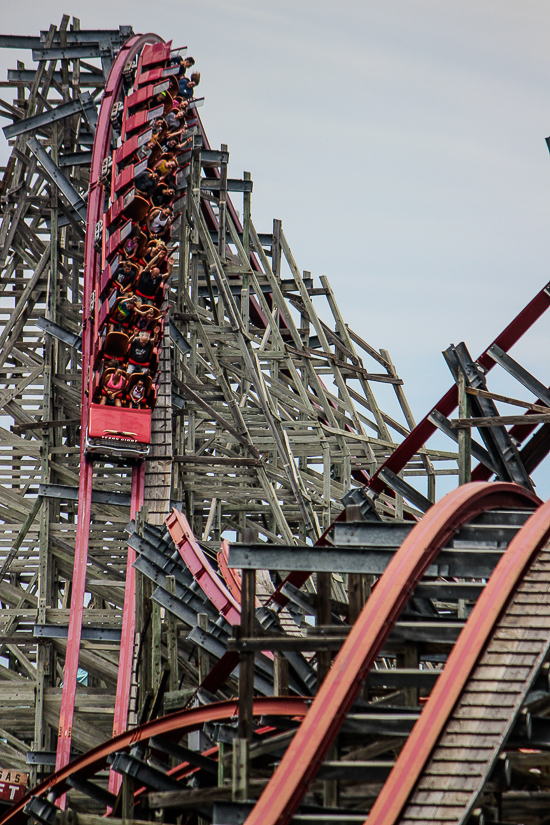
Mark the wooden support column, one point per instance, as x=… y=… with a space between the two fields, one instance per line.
x=276 y=249
x=324 y=582
x=246 y=690
x=128 y=790
x=245 y=288
x=464 y=434
x=45 y=655
x=280 y=685
x=358 y=583
x=172 y=638
x=408 y=658
x=222 y=223
x=203 y=657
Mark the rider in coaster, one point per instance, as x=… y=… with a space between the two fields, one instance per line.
x=183 y=62
x=112 y=387
x=136 y=397
x=125 y=275
x=151 y=278
x=187 y=87
x=146 y=182
x=163 y=195
x=144 y=318
x=122 y=311
x=159 y=220
x=139 y=354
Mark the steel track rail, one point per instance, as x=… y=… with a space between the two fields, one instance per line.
x=101 y=150
x=479 y=694
x=122 y=697
x=424 y=429
x=173 y=726
x=298 y=767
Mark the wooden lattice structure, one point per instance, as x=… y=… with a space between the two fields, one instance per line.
x=267 y=413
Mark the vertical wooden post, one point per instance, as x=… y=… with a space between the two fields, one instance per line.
x=464 y=435
x=221 y=764
x=203 y=657
x=280 y=686
x=408 y=658
x=324 y=583
x=128 y=791
x=45 y=655
x=222 y=229
x=246 y=689
x=276 y=249
x=324 y=592
x=172 y=638
x=245 y=288
x=156 y=658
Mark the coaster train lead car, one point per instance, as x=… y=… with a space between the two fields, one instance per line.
x=128 y=324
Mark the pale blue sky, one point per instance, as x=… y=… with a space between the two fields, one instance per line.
x=400 y=141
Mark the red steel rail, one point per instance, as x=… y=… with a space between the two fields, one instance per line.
x=101 y=150
x=421 y=433
x=201 y=569
x=175 y=726
x=489 y=607
x=122 y=698
x=299 y=765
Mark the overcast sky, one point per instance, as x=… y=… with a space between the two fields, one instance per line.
x=401 y=142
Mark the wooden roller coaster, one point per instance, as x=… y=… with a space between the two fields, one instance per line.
x=228 y=591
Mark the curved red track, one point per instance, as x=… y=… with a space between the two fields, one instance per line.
x=462 y=659
x=175 y=725
x=298 y=767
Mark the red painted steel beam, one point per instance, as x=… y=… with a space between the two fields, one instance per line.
x=492 y=602
x=421 y=433
x=101 y=149
x=298 y=767
x=203 y=572
x=175 y=726
x=122 y=699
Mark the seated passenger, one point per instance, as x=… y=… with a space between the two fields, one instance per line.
x=159 y=220
x=121 y=312
x=146 y=181
x=171 y=144
x=149 y=281
x=112 y=387
x=144 y=318
x=183 y=62
x=131 y=244
x=139 y=354
x=156 y=253
x=165 y=167
x=149 y=150
x=175 y=119
x=163 y=195
x=160 y=100
x=187 y=87
x=159 y=128
x=136 y=397
x=156 y=335
x=125 y=276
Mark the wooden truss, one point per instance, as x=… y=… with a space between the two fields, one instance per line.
x=267 y=416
